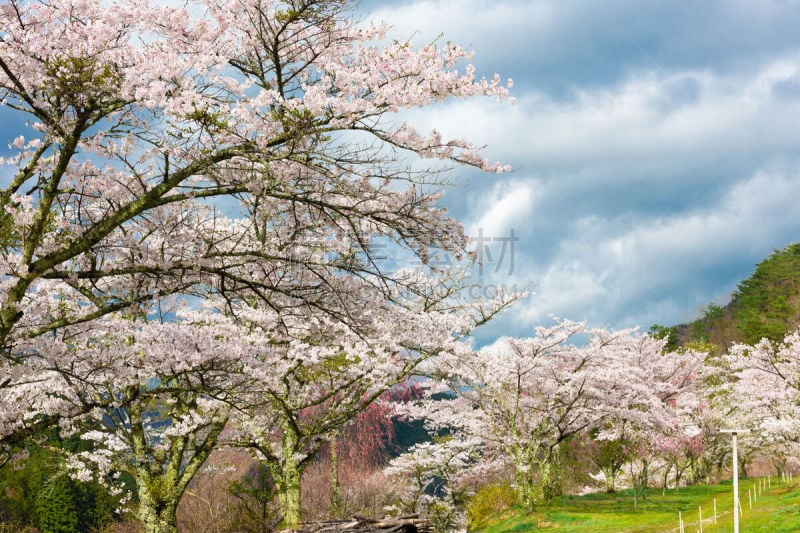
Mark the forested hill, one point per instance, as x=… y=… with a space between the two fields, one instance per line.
x=767 y=304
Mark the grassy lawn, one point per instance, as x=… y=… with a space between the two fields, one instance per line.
x=776 y=511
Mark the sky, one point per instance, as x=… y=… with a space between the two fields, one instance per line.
x=654 y=144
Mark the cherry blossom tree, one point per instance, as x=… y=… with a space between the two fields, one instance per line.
x=245 y=149
x=524 y=396
x=160 y=396
x=435 y=476
x=767 y=384
x=244 y=152
x=663 y=424
x=334 y=374
x=763 y=395
x=660 y=403
x=679 y=451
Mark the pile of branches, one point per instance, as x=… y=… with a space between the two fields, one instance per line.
x=363 y=524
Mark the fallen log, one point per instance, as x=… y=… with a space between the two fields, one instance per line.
x=363 y=524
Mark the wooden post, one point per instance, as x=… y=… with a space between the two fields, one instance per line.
x=715 y=511
x=680 y=522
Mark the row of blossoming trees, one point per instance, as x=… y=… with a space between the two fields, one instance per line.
x=191 y=235
x=521 y=401
x=618 y=398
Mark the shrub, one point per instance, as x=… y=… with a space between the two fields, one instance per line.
x=488 y=501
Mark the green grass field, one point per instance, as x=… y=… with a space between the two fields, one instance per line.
x=777 y=510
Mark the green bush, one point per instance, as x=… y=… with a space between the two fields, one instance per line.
x=488 y=502
x=56 y=508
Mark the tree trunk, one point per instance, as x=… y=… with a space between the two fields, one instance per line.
x=546 y=480
x=549 y=475
x=665 y=480
x=555 y=489
x=611 y=479
x=678 y=476
x=524 y=485
x=287 y=476
x=289 y=496
x=692 y=478
x=336 y=501
x=156 y=513
x=645 y=479
x=161 y=484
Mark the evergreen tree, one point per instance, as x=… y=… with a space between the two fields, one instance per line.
x=56 y=506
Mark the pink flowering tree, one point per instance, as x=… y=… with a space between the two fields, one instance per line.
x=680 y=452
x=767 y=384
x=160 y=395
x=247 y=149
x=523 y=397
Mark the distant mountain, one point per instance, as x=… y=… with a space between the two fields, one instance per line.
x=767 y=304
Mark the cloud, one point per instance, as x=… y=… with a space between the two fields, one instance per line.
x=663 y=267
x=503 y=207
x=637 y=202
x=556 y=46
x=649 y=119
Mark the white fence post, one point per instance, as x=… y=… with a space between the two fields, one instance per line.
x=700 y=514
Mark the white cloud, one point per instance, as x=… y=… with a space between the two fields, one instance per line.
x=642 y=274
x=504 y=207
x=485 y=24
x=646 y=121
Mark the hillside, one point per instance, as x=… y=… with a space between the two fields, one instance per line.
x=767 y=304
